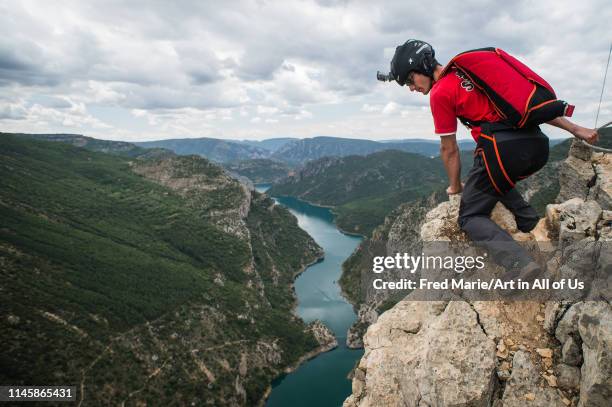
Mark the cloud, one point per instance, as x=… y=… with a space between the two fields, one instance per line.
x=12 y=112
x=390 y=108
x=371 y=108
x=203 y=67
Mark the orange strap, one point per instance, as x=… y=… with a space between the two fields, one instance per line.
x=484 y=158
x=500 y=163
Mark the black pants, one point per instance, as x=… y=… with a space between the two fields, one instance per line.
x=502 y=159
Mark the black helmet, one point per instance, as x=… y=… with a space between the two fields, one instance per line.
x=413 y=55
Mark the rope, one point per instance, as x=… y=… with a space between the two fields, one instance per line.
x=604 y=84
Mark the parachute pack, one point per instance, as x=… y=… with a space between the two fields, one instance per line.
x=519 y=95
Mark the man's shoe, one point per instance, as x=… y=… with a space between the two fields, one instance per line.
x=527 y=227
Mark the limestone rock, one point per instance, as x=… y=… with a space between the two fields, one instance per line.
x=574 y=220
x=568 y=377
x=603 y=185
x=545 y=352
x=441 y=222
x=523 y=388
x=426 y=353
x=323 y=335
x=568 y=325
x=553 y=212
x=502 y=350
x=575 y=174
x=514 y=321
x=365 y=317
x=541 y=232
x=550 y=379
x=595 y=328
x=580 y=151
x=552 y=313
x=590 y=323
x=571 y=353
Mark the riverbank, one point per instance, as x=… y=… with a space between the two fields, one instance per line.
x=311 y=354
x=294 y=305
x=318 y=377
x=342 y=291
x=332 y=210
x=293 y=367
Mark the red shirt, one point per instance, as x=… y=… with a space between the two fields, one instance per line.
x=455 y=96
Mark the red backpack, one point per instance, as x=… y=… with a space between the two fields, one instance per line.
x=520 y=96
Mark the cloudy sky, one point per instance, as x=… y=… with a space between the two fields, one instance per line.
x=145 y=70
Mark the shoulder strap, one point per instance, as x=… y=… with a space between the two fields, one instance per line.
x=451 y=63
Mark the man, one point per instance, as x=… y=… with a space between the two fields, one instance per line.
x=522 y=152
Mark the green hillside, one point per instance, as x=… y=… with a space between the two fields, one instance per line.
x=217 y=150
x=260 y=171
x=125 y=287
x=93 y=144
x=363 y=190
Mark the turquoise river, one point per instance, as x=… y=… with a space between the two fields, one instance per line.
x=321 y=381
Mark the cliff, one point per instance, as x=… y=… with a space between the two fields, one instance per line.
x=506 y=353
x=401 y=230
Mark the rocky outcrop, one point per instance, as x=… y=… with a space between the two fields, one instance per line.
x=523 y=387
x=324 y=336
x=586 y=175
x=464 y=352
x=399 y=233
x=206 y=186
x=366 y=316
x=585 y=334
x=411 y=360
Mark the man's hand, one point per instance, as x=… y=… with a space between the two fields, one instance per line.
x=588 y=135
x=452 y=190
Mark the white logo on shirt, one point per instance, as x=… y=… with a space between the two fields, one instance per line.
x=465 y=82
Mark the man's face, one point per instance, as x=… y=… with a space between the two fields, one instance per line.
x=419 y=82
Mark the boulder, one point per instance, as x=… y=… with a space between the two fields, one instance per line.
x=571 y=352
x=576 y=173
x=573 y=220
x=595 y=328
x=603 y=185
x=450 y=362
x=568 y=377
x=525 y=388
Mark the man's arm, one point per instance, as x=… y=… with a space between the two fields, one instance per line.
x=588 y=135
x=449 y=152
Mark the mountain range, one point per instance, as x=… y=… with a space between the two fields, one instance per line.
x=291 y=150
